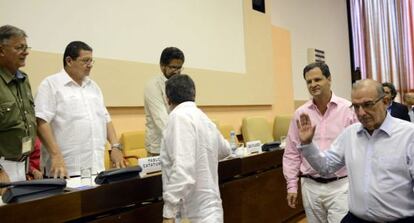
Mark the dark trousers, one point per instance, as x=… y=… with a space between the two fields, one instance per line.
x=351 y=218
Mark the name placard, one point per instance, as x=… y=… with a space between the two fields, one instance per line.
x=150 y=165
x=254 y=147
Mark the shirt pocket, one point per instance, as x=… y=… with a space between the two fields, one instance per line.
x=70 y=108
x=9 y=115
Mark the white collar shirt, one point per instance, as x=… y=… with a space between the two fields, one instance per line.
x=190 y=151
x=380 y=168
x=78 y=118
x=156 y=112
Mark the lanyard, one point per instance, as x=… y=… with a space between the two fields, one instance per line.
x=19 y=101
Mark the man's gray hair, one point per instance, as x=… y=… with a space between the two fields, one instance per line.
x=9 y=31
x=361 y=83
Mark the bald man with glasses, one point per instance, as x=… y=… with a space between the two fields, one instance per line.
x=378 y=153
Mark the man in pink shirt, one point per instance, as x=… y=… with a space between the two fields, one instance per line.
x=324 y=197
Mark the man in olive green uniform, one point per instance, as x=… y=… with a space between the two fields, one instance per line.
x=17 y=118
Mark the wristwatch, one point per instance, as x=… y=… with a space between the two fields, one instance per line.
x=117 y=146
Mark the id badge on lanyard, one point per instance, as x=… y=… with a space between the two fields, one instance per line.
x=26 y=145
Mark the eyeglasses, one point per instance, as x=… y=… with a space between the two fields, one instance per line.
x=175 y=67
x=87 y=61
x=366 y=105
x=20 y=49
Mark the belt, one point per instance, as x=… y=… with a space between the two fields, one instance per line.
x=323 y=180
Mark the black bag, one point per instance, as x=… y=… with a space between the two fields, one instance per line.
x=270 y=146
x=116 y=175
x=20 y=191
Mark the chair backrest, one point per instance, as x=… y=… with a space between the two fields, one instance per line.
x=133 y=140
x=256 y=128
x=281 y=126
x=225 y=130
x=107 y=159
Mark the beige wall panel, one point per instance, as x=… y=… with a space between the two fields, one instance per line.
x=320 y=24
x=282 y=66
x=128 y=119
x=264 y=90
x=122 y=82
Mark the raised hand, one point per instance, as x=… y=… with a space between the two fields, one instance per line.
x=306 y=130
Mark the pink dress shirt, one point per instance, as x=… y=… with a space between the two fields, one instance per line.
x=337 y=117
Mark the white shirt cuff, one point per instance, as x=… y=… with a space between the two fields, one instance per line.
x=169 y=210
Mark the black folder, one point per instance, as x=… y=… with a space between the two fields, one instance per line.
x=116 y=175
x=270 y=146
x=20 y=191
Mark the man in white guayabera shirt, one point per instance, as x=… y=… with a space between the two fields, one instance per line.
x=190 y=151
x=72 y=119
x=378 y=153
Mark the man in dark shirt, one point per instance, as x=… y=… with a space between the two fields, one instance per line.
x=409 y=102
x=17 y=117
x=396 y=109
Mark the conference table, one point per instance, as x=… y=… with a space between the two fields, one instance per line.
x=252 y=188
